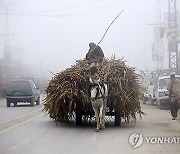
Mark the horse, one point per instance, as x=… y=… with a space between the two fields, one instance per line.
x=98 y=96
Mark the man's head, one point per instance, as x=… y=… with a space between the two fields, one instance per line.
x=172 y=77
x=92 y=45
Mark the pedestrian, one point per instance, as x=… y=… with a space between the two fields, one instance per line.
x=95 y=56
x=174 y=95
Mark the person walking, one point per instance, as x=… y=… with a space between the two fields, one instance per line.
x=174 y=95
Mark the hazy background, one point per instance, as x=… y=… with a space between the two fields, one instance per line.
x=55 y=33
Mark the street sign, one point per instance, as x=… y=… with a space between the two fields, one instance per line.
x=173 y=35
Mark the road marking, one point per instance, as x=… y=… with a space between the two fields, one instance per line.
x=20 y=116
x=19 y=124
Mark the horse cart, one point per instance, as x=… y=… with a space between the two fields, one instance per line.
x=68 y=92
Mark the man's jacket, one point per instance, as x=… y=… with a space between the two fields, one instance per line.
x=174 y=90
x=95 y=55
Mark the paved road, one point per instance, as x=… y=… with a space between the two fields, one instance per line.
x=26 y=130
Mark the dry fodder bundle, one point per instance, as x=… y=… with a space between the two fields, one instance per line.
x=70 y=87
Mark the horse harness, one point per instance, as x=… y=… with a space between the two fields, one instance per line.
x=99 y=93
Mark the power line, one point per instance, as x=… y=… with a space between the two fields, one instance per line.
x=110 y=5
x=66 y=16
x=65 y=8
x=106 y=7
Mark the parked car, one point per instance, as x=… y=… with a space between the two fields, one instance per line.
x=162 y=94
x=22 y=91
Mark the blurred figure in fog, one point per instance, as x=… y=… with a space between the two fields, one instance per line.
x=174 y=95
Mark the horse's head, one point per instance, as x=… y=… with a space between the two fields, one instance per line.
x=97 y=90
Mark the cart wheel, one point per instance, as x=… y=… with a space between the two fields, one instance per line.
x=117 y=115
x=78 y=115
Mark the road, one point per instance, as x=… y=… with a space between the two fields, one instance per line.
x=27 y=130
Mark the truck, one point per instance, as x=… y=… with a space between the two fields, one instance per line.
x=159 y=82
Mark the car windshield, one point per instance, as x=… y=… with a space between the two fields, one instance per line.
x=19 y=85
x=163 y=83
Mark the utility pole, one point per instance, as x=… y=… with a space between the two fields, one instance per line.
x=172 y=24
x=160 y=51
x=7 y=50
x=10 y=65
x=158 y=45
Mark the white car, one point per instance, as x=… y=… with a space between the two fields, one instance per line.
x=162 y=94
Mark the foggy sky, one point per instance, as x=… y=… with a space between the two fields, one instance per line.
x=55 y=33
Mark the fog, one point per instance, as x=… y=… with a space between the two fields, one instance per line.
x=55 y=33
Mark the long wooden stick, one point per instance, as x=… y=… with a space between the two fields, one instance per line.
x=110 y=26
x=106 y=31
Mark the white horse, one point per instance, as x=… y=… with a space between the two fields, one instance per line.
x=99 y=93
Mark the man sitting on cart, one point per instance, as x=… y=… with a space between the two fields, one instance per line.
x=95 y=56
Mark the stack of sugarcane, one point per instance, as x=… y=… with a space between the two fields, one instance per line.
x=70 y=87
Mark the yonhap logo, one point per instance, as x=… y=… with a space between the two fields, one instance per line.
x=136 y=140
